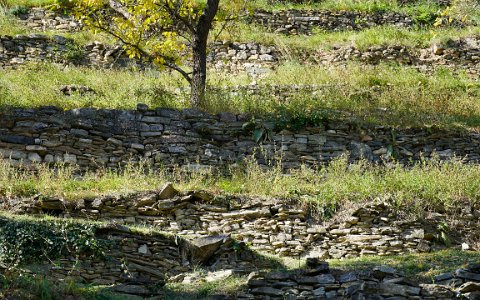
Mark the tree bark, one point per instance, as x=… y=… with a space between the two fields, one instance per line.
x=199 y=74
x=199 y=53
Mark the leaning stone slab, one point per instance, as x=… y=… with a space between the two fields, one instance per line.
x=167 y=191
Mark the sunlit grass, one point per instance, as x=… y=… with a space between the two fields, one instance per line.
x=375 y=36
x=385 y=94
x=424 y=186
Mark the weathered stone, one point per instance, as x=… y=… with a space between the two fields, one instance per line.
x=462 y=273
x=167 y=192
x=203 y=248
x=469 y=287
x=131 y=289
x=437 y=291
x=383 y=271
x=267 y=291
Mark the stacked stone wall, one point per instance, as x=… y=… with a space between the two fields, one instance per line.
x=280 y=227
x=42 y=19
x=318 y=282
x=252 y=58
x=92 y=138
x=303 y=22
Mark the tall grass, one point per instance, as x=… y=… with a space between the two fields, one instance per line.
x=381 y=35
x=428 y=185
x=385 y=94
x=350 y=5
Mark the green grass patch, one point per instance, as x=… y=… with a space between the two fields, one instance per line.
x=205 y=290
x=375 y=36
x=422 y=267
x=383 y=94
x=27 y=3
x=26 y=286
x=349 y=5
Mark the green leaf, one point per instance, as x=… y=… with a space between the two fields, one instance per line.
x=390 y=150
x=258 y=134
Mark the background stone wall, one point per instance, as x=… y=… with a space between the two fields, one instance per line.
x=42 y=19
x=92 y=138
x=303 y=22
x=253 y=58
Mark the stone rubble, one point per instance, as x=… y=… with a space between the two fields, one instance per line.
x=379 y=283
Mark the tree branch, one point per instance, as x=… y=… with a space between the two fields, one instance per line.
x=168 y=62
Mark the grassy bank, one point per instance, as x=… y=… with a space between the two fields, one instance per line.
x=426 y=186
x=383 y=94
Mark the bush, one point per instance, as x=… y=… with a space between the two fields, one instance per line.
x=25 y=240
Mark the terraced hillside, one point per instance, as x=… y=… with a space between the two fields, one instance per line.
x=337 y=157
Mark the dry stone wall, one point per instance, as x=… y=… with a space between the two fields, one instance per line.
x=303 y=22
x=42 y=19
x=286 y=21
x=317 y=281
x=139 y=264
x=92 y=138
x=252 y=58
x=463 y=53
x=20 y=49
x=280 y=227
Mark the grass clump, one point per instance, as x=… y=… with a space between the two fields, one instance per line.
x=348 y=5
x=324 y=40
x=201 y=289
x=18 y=285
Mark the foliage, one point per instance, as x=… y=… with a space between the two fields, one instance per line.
x=18 y=10
x=260 y=131
x=25 y=240
x=161 y=31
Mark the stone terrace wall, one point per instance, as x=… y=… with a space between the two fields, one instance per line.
x=279 y=227
x=302 y=22
x=20 y=49
x=288 y=21
x=41 y=19
x=461 y=53
x=16 y=50
x=94 y=138
x=318 y=282
x=253 y=58
x=136 y=262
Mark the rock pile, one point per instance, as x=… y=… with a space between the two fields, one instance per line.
x=382 y=282
x=272 y=226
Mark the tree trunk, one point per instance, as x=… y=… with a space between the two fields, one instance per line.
x=199 y=47
x=199 y=73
